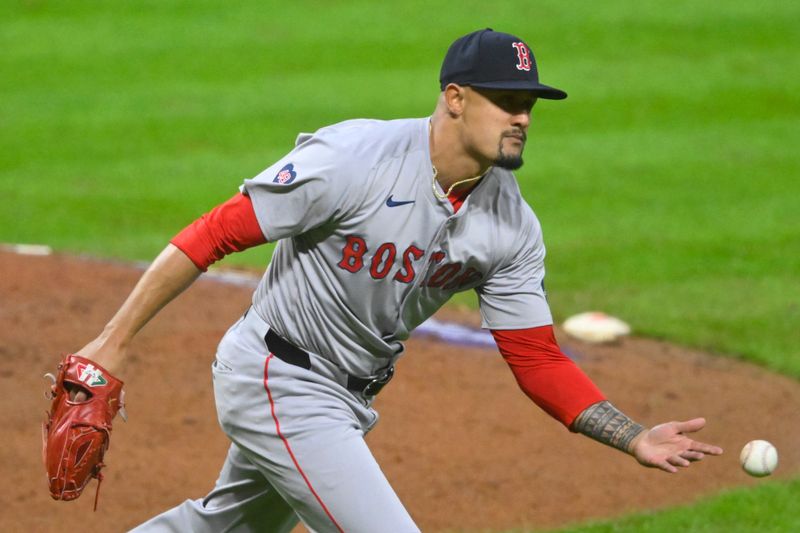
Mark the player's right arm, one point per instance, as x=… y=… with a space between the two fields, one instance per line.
x=229 y=227
x=288 y=198
x=169 y=275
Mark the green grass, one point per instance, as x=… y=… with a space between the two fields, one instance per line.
x=666 y=184
x=769 y=508
x=669 y=193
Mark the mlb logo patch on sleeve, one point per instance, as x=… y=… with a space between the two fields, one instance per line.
x=285 y=175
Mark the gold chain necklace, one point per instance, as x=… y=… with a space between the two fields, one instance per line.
x=453 y=186
x=456 y=184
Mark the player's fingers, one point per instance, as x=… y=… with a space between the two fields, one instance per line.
x=690 y=455
x=677 y=460
x=76 y=394
x=665 y=466
x=690 y=426
x=709 y=449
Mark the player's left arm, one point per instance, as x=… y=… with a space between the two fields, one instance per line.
x=665 y=446
x=557 y=385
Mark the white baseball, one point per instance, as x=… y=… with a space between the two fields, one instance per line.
x=759 y=458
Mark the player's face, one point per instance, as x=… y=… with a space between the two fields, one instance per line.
x=497 y=124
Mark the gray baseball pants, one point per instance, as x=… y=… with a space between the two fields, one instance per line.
x=297 y=452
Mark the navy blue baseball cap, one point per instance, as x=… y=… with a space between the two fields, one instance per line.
x=489 y=59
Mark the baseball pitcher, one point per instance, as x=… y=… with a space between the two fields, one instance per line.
x=377 y=225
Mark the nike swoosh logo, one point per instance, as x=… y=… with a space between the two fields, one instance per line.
x=395 y=203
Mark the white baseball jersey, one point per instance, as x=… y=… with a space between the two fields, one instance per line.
x=366 y=251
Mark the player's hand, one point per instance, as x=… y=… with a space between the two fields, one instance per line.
x=104 y=353
x=668 y=447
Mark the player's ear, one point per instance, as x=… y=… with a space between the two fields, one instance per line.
x=454 y=99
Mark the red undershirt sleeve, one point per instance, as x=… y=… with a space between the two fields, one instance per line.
x=229 y=227
x=549 y=378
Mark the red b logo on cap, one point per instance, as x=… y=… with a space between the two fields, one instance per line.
x=523 y=56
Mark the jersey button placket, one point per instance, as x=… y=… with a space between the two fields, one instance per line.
x=430 y=249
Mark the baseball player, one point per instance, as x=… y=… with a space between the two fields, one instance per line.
x=377 y=225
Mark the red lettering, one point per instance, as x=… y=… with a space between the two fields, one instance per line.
x=470 y=275
x=353 y=254
x=384 y=255
x=448 y=276
x=443 y=274
x=406 y=274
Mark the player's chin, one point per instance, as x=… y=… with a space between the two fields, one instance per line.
x=509 y=160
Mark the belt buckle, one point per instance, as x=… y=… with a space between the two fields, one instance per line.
x=375 y=386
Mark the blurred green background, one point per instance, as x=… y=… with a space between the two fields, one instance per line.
x=667 y=184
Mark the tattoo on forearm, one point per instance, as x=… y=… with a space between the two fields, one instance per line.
x=605 y=423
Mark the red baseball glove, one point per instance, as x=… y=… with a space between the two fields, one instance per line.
x=76 y=434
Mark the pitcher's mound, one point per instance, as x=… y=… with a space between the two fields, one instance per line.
x=463 y=447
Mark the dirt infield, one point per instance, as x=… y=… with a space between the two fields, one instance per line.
x=463 y=447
